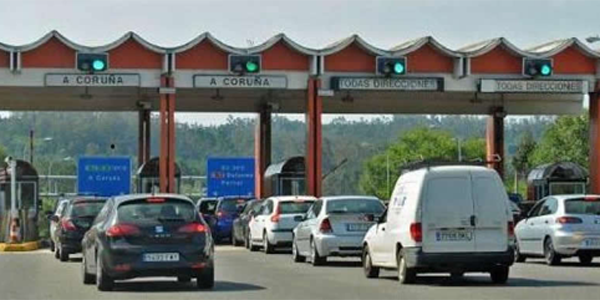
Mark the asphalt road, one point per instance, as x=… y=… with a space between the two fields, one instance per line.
x=244 y=275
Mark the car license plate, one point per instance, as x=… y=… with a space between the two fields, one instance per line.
x=453 y=235
x=592 y=242
x=161 y=257
x=358 y=227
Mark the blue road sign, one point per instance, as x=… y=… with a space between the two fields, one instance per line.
x=230 y=176
x=104 y=176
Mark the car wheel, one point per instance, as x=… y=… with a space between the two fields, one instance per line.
x=87 y=277
x=103 y=281
x=184 y=279
x=518 y=256
x=206 y=278
x=57 y=252
x=247 y=241
x=251 y=245
x=267 y=246
x=585 y=259
x=552 y=258
x=64 y=255
x=370 y=271
x=315 y=258
x=51 y=246
x=499 y=274
x=295 y=254
x=406 y=275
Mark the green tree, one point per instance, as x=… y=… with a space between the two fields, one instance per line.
x=566 y=140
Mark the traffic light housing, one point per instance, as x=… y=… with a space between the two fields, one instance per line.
x=244 y=64
x=391 y=66
x=92 y=62
x=537 y=67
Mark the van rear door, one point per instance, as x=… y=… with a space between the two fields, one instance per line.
x=491 y=212
x=446 y=215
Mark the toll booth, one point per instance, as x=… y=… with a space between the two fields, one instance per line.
x=286 y=178
x=27 y=200
x=555 y=179
x=148 y=177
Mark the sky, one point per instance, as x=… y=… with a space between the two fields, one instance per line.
x=313 y=23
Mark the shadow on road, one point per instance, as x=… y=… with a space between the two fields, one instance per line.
x=484 y=281
x=565 y=264
x=75 y=260
x=172 y=286
x=343 y=264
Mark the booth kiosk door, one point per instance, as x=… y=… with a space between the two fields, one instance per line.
x=286 y=178
x=148 y=177
x=26 y=199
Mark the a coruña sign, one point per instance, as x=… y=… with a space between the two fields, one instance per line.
x=387 y=84
x=534 y=86
x=225 y=81
x=112 y=80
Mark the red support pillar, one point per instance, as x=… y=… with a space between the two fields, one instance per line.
x=495 y=140
x=143 y=137
x=262 y=151
x=167 y=137
x=314 y=138
x=595 y=141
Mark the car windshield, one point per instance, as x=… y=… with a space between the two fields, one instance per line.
x=582 y=207
x=86 y=208
x=208 y=206
x=155 y=211
x=355 y=206
x=294 y=207
x=231 y=205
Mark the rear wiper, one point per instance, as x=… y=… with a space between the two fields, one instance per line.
x=161 y=219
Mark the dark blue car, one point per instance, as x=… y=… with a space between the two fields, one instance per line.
x=227 y=210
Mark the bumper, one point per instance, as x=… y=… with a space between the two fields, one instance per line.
x=222 y=231
x=333 y=245
x=465 y=262
x=129 y=263
x=71 y=244
x=572 y=243
x=280 y=237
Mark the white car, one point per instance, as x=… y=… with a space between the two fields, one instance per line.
x=60 y=208
x=560 y=226
x=273 y=226
x=452 y=219
x=334 y=226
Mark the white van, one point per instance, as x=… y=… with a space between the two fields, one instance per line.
x=452 y=219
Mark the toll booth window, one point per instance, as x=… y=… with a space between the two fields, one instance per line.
x=26 y=191
x=566 y=188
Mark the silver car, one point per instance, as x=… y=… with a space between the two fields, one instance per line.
x=560 y=226
x=334 y=226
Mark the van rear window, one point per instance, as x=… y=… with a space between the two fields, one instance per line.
x=582 y=207
x=146 y=211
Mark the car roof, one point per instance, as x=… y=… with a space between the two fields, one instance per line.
x=126 y=198
x=572 y=196
x=292 y=198
x=349 y=197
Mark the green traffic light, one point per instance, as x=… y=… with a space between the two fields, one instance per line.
x=251 y=67
x=546 y=70
x=98 y=65
x=398 y=68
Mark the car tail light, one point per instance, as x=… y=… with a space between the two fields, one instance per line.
x=569 y=220
x=155 y=200
x=122 y=230
x=275 y=218
x=67 y=225
x=192 y=228
x=325 y=226
x=511 y=229
x=416 y=232
x=591 y=198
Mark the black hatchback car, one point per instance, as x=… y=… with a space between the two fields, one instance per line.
x=75 y=219
x=148 y=235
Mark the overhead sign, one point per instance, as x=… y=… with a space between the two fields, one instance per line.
x=225 y=81
x=104 y=176
x=387 y=84
x=230 y=176
x=92 y=80
x=534 y=86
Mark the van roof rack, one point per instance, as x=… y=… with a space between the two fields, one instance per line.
x=436 y=162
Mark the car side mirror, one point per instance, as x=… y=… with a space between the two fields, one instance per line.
x=299 y=218
x=53 y=218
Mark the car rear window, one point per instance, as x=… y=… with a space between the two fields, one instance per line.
x=294 y=207
x=231 y=205
x=156 y=211
x=86 y=208
x=355 y=206
x=208 y=207
x=583 y=207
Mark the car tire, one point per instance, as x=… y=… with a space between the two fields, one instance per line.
x=57 y=252
x=499 y=274
x=406 y=275
x=64 y=255
x=234 y=241
x=295 y=254
x=368 y=268
x=52 y=246
x=184 y=279
x=267 y=246
x=247 y=241
x=518 y=256
x=87 y=277
x=103 y=281
x=206 y=278
x=552 y=258
x=251 y=245
x=315 y=258
x=586 y=259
